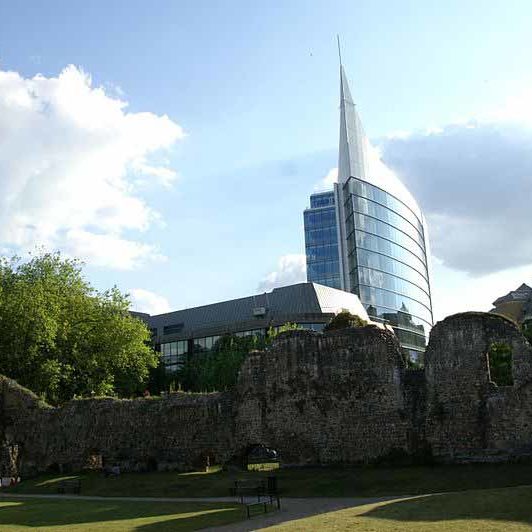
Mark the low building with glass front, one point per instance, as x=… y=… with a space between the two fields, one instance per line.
x=380 y=237
x=184 y=332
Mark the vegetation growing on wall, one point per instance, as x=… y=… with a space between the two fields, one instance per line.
x=527 y=330
x=500 y=363
x=61 y=338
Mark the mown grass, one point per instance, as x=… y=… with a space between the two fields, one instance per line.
x=113 y=516
x=508 y=510
x=302 y=482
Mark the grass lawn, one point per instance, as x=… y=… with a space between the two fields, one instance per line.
x=73 y=516
x=508 y=510
x=301 y=482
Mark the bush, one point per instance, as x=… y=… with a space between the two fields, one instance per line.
x=343 y=320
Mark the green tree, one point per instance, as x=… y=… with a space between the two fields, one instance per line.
x=61 y=338
x=344 y=320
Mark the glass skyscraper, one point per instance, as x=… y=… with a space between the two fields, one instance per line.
x=321 y=240
x=368 y=236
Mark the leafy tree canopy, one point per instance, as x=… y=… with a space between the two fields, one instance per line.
x=61 y=338
x=343 y=320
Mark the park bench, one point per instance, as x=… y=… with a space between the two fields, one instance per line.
x=111 y=471
x=69 y=486
x=261 y=489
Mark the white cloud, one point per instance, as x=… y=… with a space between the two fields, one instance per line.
x=291 y=269
x=145 y=301
x=109 y=250
x=69 y=153
x=328 y=181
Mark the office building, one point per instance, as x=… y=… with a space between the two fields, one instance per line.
x=321 y=240
x=311 y=306
x=368 y=236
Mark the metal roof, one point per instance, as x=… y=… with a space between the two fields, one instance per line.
x=285 y=302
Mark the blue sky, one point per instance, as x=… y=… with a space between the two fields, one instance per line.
x=254 y=87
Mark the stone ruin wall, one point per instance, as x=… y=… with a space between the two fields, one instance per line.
x=322 y=399
x=341 y=397
x=174 y=433
x=467 y=416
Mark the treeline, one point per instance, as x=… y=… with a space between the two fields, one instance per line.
x=62 y=338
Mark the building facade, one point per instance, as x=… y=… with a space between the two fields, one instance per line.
x=184 y=332
x=380 y=236
x=321 y=240
x=516 y=305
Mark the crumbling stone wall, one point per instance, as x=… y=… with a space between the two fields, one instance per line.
x=321 y=399
x=180 y=432
x=338 y=397
x=468 y=417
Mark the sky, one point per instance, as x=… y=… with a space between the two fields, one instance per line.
x=172 y=145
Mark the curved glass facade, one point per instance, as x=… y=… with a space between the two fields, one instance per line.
x=387 y=262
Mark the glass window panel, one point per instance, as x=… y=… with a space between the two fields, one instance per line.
x=386 y=264
x=376 y=194
x=322 y=200
x=413 y=256
x=323 y=269
x=323 y=252
x=379 y=228
x=378 y=279
x=411 y=338
x=370 y=208
x=326 y=235
x=399 y=319
x=382 y=298
x=320 y=218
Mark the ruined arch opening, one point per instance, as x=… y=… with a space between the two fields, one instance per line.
x=500 y=364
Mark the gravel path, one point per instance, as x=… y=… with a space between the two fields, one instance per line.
x=293 y=509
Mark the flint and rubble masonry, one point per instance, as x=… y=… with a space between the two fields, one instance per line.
x=342 y=397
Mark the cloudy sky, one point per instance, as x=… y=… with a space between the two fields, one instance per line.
x=172 y=145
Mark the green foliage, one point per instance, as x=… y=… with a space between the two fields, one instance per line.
x=63 y=339
x=500 y=360
x=344 y=320
x=217 y=370
x=272 y=333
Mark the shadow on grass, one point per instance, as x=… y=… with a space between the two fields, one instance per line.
x=155 y=516
x=297 y=482
x=509 y=504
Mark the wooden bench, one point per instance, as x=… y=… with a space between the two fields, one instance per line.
x=69 y=486
x=260 y=489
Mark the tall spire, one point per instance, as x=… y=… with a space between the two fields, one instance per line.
x=352 y=157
